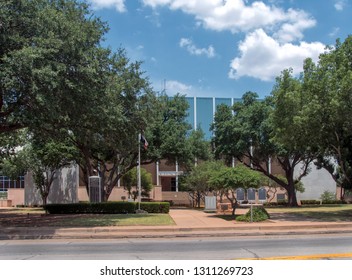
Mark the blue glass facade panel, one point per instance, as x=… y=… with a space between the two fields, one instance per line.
x=201 y=111
x=204 y=115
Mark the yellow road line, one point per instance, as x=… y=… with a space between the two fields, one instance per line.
x=306 y=257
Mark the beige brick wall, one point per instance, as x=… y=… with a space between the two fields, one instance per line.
x=16 y=196
x=179 y=198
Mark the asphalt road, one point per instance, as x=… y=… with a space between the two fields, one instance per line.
x=305 y=247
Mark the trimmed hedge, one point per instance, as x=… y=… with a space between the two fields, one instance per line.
x=118 y=207
x=275 y=204
x=334 y=202
x=310 y=202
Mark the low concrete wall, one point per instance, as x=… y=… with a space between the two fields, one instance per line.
x=16 y=196
x=63 y=190
x=5 y=203
x=178 y=198
x=315 y=183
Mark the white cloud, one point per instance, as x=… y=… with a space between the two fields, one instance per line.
x=264 y=58
x=194 y=50
x=240 y=16
x=340 y=5
x=274 y=36
x=334 y=32
x=292 y=30
x=119 y=5
x=174 y=87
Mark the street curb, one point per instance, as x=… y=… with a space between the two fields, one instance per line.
x=17 y=233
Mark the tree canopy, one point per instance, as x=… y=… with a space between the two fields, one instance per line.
x=254 y=131
x=327 y=114
x=48 y=55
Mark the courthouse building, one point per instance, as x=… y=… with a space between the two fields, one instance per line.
x=165 y=177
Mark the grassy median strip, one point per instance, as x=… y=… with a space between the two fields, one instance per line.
x=117 y=220
x=333 y=213
x=325 y=213
x=29 y=217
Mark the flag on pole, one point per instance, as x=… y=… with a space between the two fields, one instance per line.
x=144 y=142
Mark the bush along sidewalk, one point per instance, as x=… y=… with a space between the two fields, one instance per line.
x=259 y=214
x=118 y=207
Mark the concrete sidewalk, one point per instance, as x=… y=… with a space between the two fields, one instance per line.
x=188 y=223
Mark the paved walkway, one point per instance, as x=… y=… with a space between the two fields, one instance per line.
x=188 y=223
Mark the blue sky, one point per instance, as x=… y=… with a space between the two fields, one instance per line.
x=222 y=48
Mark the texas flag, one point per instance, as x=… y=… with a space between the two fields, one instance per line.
x=144 y=142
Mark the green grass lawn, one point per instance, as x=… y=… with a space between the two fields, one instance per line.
x=36 y=217
x=118 y=220
x=332 y=213
x=325 y=213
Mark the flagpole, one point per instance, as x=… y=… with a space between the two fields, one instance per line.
x=139 y=172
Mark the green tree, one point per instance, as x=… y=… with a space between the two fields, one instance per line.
x=254 y=131
x=48 y=55
x=294 y=145
x=129 y=181
x=327 y=113
x=167 y=135
x=54 y=75
x=200 y=149
x=196 y=181
x=43 y=159
x=107 y=134
x=229 y=179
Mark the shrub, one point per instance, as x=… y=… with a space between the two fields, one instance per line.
x=171 y=202
x=334 y=201
x=310 y=202
x=327 y=197
x=275 y=204
x=259 y=214
x=119 y=207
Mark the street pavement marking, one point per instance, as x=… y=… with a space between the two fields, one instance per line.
x=307 y=257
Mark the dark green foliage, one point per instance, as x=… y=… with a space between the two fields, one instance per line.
x=255 y=130
x=328 y=196
x=47 y=53
x=327 y=112
x=155 y=207
x=334 y=201
x=274 y=204
x=129 y=180
x=310 y=202
x=259 y=214
x=107 y=208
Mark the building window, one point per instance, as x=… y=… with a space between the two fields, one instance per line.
x=173 y=184
x=280 y=197
x=7 y=183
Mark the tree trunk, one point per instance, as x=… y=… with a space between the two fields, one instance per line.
x=198 y=199
x=45 y=200
x=291 y=192
x=234 y=207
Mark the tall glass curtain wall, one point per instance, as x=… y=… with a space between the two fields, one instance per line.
x=202 y=109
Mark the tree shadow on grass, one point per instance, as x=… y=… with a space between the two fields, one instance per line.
x=315 y=216
x=35 y=219
x=303 y=216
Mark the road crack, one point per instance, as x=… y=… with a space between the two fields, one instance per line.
x=251 y=252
